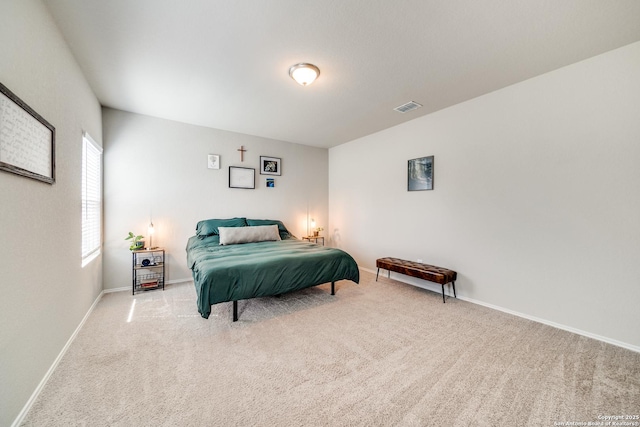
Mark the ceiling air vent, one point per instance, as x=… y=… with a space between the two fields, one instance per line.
x=409 y=106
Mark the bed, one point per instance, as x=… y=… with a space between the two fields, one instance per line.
x=228 y=268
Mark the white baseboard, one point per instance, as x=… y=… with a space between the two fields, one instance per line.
x=124 y=288
x=128 y=288
x=25 y=410
x=435 y=288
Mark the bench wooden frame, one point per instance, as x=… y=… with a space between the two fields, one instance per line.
x=428 y=272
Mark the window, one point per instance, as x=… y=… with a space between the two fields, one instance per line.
x=91 y=198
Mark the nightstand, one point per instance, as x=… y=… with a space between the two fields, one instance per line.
x=314 y=238
x=147 y=269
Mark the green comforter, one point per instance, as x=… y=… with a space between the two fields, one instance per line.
x=250 y=270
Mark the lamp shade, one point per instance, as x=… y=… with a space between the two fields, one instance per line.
x=303 y=73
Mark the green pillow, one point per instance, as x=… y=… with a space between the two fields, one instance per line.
x=209 y=227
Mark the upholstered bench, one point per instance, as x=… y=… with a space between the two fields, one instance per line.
x=417 y=269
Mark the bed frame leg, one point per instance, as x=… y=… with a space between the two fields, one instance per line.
x=235 y=311
x=333 y=288
x=377 y=273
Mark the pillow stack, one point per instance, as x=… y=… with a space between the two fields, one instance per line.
x=211 y=227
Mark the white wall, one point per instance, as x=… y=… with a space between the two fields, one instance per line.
x=536 y=201
x=160 y=166
x=44 y=292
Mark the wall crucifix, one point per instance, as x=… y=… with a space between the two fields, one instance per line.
x=241 y=150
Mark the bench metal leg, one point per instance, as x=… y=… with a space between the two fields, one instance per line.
x=235 y=311
x=333 y=288
x=453 y=285
x=388 y=274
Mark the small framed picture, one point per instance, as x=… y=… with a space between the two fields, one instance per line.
x=420 y=174
x=271 y=183
x=213 y=161
x=242 y=177
x=270 y=165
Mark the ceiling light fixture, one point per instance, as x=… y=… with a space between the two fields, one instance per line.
x=304 y=73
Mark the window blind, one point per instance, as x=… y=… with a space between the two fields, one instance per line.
x=91 y=197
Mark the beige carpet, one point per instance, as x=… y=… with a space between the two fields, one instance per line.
x=375 y=354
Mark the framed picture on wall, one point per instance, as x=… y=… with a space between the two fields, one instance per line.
x=420 y=174
x=213 y=161
x=27 y=140
x=270 y=165
x=242 y=177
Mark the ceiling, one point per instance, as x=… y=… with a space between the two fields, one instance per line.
x=224 y=63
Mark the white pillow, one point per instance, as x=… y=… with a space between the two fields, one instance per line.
x=260 y=233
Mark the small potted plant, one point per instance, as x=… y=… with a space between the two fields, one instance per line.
x=316 y=231
x=136 y=241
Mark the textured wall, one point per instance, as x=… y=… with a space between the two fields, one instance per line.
x=536 y=201
x=160 y=166
x=44 y=291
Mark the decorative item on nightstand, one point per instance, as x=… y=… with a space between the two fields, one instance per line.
x=136 y=241
x=316 y=230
